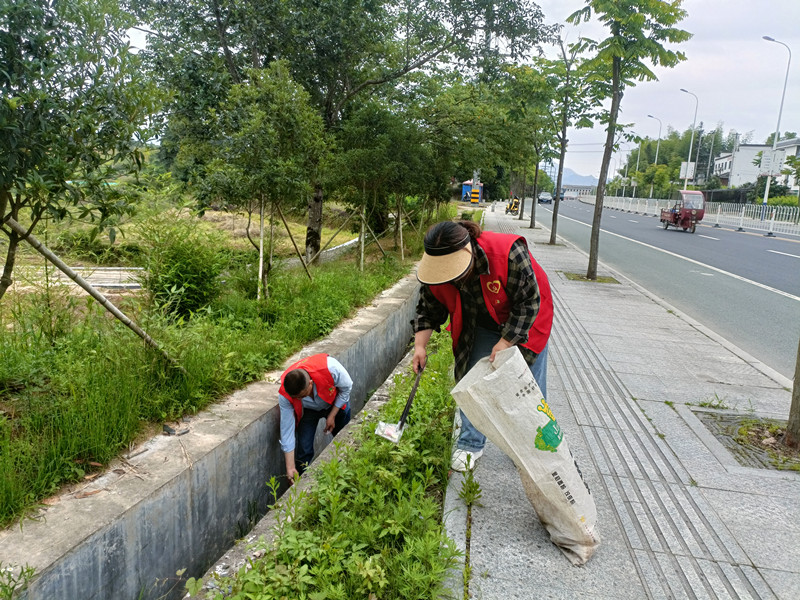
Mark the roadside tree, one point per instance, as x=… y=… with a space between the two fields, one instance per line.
x=524 y=97
x=270 y=147
x=638 y=31
x=575 y=102
x=74 y=104
x=337 y=51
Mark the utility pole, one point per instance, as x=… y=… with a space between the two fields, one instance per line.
x=697 y=155
x=710 y=154
x=733 y=156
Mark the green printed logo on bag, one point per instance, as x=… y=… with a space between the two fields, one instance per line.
x=550 y=436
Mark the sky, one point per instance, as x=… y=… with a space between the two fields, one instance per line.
x=737 y=76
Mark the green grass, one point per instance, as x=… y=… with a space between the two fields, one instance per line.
x=77 y=388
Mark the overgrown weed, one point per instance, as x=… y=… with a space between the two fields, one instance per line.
x=370 y=526
x=76 y=387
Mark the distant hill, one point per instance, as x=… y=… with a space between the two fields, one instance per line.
x=570 y=177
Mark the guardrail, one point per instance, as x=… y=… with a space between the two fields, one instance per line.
x=741 y=217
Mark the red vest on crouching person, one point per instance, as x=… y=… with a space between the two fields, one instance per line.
x=497 y=247
x=317 y=368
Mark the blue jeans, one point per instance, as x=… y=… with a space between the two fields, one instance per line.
x=306 y=430
x=470 y=438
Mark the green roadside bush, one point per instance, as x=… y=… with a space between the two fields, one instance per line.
x=182 y=263
x=782 y=201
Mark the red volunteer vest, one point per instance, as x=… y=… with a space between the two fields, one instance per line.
x=497 y=246
x=317 y=368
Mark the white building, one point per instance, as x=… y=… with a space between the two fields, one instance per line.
x=736 y=168
x=788 y=148
x=578 y=191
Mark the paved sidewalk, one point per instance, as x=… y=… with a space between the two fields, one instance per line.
x=678 y=517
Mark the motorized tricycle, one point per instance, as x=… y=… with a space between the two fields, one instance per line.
x=686 y=212
x=513 y=206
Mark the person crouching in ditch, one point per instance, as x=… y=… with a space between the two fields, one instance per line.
x=314 y=388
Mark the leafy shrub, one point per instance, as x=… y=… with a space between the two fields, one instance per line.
x=183 y=261
x=782 y=201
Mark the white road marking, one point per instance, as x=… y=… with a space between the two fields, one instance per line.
x=696 y=262
x=784 y=253
x=708 y=237
x=632 y=221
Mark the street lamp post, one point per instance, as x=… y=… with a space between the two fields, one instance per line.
x=697 y=156
x=778 y=127
x=638 y=156
x=614 y=158
x=625 y=177
x=658 y=143
x=691 y=141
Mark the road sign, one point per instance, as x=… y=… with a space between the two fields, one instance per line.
x=772 y=162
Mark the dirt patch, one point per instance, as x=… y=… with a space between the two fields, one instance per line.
x=754 y=442
x=579 y=277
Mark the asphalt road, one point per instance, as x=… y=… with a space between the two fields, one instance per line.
x=744 y=286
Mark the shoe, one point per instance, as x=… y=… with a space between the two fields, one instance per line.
x=464 y=458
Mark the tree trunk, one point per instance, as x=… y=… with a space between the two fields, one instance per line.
x=261 y=287
x=561 y=155
x=793 y=427
x=8 y=268
x=400 y=223
x=362 y=237
x=522 y=200
x=223 y=42
x=535 y=190
x=314 y=228
x=594 y=241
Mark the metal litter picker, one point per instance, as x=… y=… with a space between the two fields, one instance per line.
x=393 y=431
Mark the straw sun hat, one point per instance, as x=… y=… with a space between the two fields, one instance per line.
x=441 y=264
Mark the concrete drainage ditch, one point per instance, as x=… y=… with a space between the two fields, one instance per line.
x=178 y=503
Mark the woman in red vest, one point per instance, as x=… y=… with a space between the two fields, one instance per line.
x=495 y=295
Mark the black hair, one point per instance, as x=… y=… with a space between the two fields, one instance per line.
x=451 y=233
x=295 y=382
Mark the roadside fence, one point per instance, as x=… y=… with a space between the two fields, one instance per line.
x=741 y=217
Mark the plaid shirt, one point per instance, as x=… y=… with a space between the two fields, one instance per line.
x=522 y=291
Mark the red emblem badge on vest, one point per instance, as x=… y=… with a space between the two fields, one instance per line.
x=493 y=286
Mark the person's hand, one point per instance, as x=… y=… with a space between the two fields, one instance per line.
x=419 y=359
x=499 y=346
x=330 y=423
x=292 y=474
